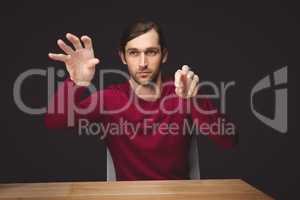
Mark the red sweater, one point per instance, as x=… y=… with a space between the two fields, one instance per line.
x=153 y=146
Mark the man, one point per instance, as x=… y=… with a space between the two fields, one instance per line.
x=150 y=148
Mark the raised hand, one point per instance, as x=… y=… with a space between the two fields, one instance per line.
x=186 y=82
x=80 y=61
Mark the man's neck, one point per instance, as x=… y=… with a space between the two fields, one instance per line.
x=149 y=92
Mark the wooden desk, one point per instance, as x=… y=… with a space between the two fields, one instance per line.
x=231 y=189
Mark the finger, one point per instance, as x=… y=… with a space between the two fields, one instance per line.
x=184 y=80
x=190 y=75
x=193 y=86
x=66 y=48
x=178 y=82
x=87 y=41
x=59 y=57
x=92 y=62
x=74 y=40
x=179 y=92
x=185 y=69
x=197 y=87
x=195 y=92
x=196 y=77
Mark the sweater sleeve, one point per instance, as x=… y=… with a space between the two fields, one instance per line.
x=212 y=123
x=66 y=107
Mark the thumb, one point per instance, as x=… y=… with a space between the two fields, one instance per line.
x=92 y=62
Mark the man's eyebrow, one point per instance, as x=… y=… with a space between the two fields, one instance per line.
x=149 y=48
x=131 y=49
x=152 y=48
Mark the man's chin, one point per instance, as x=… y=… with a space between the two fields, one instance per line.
x=144 y=82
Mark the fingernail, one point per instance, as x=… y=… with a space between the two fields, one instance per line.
x=185 y=68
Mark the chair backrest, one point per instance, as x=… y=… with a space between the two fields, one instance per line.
x=110 y=168
x=193 y=162
x=194 y=158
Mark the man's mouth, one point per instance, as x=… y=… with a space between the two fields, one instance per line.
x=144 y=74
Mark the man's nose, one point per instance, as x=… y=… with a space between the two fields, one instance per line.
x=143 y=61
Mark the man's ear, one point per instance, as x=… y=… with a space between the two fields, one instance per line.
x=165 y=55
x=122 y=56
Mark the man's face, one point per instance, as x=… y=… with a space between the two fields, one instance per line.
x=143 y=55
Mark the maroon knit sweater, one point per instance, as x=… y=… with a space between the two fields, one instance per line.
x=144 y=146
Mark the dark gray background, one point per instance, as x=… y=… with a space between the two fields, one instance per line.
x=222 y=41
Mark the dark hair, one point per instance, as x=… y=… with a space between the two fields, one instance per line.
x=138 y=28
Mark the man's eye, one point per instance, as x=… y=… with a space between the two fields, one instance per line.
x=133 y=53
x=151 y=53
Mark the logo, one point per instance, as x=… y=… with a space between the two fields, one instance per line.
x=280 y=120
